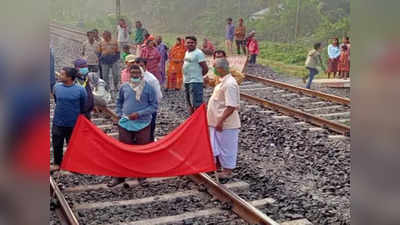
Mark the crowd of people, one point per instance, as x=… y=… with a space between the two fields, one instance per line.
x=338 y=60
x=96 y=79
x=149 y=68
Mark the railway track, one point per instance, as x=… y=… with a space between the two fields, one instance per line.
x=81 y=192
x=317 y=108
x=67 y=33
x=75 y=206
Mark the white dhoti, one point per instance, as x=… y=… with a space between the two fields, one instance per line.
x=225 y=146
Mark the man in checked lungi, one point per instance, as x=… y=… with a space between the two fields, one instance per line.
x=223 y=119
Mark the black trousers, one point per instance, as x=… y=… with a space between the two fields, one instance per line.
x=59 y=134
x=153 y=126
x=141 y=137
x=253 y=59
x=241 y=43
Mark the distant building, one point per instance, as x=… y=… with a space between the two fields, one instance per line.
x=260 y=14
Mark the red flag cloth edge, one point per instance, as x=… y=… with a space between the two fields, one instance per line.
x=186 y=150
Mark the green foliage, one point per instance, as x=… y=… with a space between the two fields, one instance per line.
x=319 y=20
x=283 y=52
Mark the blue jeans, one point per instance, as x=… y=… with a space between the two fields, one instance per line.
x=115 y=75
x=253 y=59
x=313 y=72
x=194 y=94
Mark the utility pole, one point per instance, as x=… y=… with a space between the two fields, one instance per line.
x=240 y=14
x=297 y=20
x=118 y=9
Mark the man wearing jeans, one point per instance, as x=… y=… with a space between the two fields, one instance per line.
x=313 y=60
x=109 y=59
x=194 y=68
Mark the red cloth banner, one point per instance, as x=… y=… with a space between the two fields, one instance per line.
x=186 y=150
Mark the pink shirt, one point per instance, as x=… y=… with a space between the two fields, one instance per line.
x=125 y=75
x=253 y=47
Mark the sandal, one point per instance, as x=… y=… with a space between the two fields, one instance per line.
x=115 y=181
x=54 y=168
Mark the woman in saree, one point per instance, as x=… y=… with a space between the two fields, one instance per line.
x=174 y=73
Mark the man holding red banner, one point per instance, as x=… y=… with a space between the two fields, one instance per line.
x=136 y=103
x=223 y=118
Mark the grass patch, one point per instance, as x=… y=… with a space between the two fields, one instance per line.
x=287 y=58
x=287 y=69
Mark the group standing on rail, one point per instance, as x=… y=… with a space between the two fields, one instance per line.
x=96 y=79
x=149 y=67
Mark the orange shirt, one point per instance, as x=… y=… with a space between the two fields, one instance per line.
x=240 y=33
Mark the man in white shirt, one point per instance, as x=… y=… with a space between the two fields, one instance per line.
x=123 y=34
x=153 y=81
x=223 y=118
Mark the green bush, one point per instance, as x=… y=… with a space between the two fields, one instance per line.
x=283 y=52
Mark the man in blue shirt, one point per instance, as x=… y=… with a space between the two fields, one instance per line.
x=194 y=69
x=52 y=72
x=137 y=101
x=70 y=100
x=229 y=35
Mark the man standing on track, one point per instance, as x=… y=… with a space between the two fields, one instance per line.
x=98 y=39
x=70 y=102
x=155 y=84
x=123 y=34
x=89 y=48
x=223 y=118
x=137 y=101
x=240 y=36
x=83 y=80
x=109 y=58
x=194 y=69
x=229 y=34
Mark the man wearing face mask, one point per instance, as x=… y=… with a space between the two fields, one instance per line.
x=223 y=118
x=136 y=103
x=84 y=81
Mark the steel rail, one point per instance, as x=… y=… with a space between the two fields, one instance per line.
x=66 y=210
x=66 y=37
x=321 y=122
x=239 y=206
x=62 y=27
x=332 y=98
